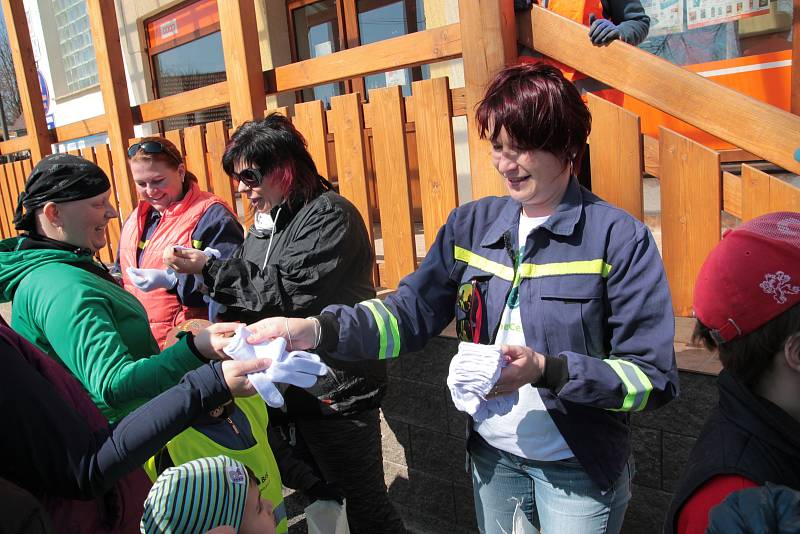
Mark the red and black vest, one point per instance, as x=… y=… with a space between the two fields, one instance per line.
x=164 y=309
x=746 y=436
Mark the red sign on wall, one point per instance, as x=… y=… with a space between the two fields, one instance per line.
x=184 y=22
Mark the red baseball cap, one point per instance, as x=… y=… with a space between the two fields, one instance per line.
x=751 y=276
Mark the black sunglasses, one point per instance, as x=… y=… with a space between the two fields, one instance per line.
x=251 y=177
x=151 y=147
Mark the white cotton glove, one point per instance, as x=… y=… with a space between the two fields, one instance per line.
x=150 y=279
x=473 y=372
x=298 y=368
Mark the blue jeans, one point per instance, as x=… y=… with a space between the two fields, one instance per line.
x=557 y=497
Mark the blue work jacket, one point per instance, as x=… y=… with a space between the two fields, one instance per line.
x=593 y=299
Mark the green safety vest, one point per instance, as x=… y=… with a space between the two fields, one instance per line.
x=191 y=444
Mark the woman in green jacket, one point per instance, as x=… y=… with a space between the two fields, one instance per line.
x=68 y=305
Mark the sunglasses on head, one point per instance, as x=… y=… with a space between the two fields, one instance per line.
x=151 y=147
x=251 y=177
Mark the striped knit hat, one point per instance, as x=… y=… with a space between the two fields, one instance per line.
x=196 y=497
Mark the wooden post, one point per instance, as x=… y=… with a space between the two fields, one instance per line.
x=30 y=94
x=242 y=59
x=795 y=84
x=489 y=43
x=113 y=86
x=617 y=160
x=691 y=205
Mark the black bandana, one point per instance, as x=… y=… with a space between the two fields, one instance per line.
x=58 y=178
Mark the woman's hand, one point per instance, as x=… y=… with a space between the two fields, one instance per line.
x=235 y=373
x=300 y=334
x=525 y=366
x=185 y=260
x=211 y=340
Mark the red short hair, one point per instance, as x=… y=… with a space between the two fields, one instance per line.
x=539 y=109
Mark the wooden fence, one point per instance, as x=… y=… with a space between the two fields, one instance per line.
x=394 y=158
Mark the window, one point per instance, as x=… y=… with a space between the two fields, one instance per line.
x=75 y=46
x=385 y=19
x=326 y=26
x=185 y=48
x=687 y=32
x=316 y=34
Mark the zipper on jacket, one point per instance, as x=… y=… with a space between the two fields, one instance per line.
x=513 y=256
x=233 y=426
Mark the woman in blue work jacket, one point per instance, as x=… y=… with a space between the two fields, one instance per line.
x=572 y=288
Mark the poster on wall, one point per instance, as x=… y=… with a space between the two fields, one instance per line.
x=666 y=16
x=707 y=12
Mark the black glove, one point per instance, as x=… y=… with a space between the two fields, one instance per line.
x=522 y=5
x=602 y=31
x=322 y=491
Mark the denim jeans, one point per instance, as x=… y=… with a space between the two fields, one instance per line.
x=557 y=497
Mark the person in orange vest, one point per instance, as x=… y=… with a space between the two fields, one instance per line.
x=608 y=20
x=172 y=210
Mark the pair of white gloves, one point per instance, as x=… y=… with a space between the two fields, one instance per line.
x=474 y=370
x=150 y=279
x=298 y=368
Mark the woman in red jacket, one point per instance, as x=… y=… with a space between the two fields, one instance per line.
x=172 y=210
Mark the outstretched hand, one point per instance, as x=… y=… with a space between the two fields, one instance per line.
x=211 y=340
x=235 y=373
x=300 y=334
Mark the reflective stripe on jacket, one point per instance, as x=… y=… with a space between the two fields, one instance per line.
x=594 y=299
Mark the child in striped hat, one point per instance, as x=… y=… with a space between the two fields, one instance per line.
x=204 y=494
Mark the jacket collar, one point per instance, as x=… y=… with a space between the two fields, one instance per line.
x=561 y=222
x=758 y=416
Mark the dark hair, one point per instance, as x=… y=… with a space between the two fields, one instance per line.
x=539 y=109
x=170 y=156
x=749 y=356
x=279 y=151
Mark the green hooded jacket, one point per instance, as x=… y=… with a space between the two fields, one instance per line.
x=96 y=329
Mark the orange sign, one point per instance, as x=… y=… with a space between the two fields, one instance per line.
x=181 y=23
x=765 y=77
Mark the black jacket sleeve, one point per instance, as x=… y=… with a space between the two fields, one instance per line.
x=316 y=259
x=47 y=447
x=218 y=229
x=629 y=15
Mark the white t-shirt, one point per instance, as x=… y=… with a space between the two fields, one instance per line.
x=527 y=430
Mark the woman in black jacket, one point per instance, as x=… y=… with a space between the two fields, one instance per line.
x=308 y=249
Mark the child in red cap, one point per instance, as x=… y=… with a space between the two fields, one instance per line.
x=747 y=304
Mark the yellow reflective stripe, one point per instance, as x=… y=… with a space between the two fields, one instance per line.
x=534 y=270
x=196 y=243
x=637 y=385
x=479 y=262
x=143 y=244
x=381 y=328
x=389 y=337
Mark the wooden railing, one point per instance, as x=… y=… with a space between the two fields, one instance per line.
x=393 y=157
x=693 y=189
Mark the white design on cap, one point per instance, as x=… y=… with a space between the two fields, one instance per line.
x=777 y=284
x=236 y=475
x=789 y=226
